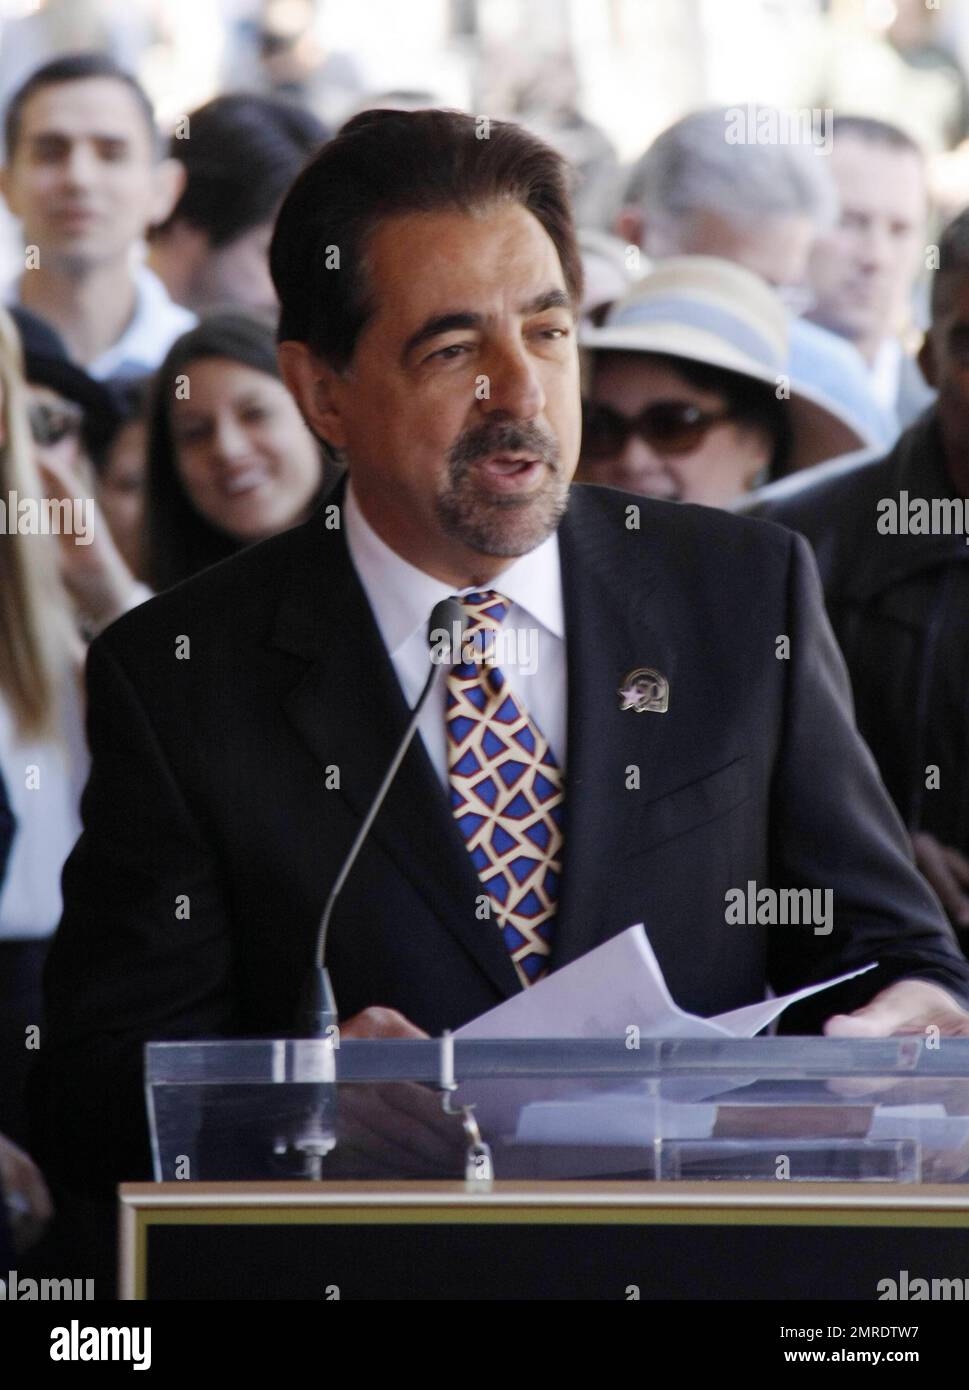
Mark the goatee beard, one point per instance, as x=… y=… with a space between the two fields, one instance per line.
x=491 y=523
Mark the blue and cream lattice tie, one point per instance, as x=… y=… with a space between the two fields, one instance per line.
x=506 y=792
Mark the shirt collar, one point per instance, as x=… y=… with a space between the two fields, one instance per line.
x=155 y=323
x=885 y=370
x=402 y=596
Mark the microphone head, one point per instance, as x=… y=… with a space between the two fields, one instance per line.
x=445 y=631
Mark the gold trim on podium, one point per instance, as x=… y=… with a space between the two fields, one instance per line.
x=144 y=1205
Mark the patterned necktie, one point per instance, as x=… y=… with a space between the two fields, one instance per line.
x=506 y=792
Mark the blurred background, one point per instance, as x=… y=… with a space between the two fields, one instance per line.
x=756 y=310
x=605 y=76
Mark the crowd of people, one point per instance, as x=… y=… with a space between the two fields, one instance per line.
x=748 y=339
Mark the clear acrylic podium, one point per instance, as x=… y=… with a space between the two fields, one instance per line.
x=753 y=1110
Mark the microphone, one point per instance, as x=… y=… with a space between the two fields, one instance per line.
x=318 y=1011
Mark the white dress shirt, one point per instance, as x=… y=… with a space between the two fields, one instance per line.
x=886 y=371
x=154 y=325
x=402 y=598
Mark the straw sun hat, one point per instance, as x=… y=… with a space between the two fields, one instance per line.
x=707 y=310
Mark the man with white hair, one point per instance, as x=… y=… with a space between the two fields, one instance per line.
x=699 y=191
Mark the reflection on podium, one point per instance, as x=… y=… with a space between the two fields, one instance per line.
x=530 y=1168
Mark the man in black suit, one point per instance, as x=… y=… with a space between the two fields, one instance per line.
x=889 y=536
x=241 y=723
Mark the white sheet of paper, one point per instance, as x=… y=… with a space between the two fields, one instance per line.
x=929 y=1124
x=631 y=1120
x=614 y=986
x=623 y=1120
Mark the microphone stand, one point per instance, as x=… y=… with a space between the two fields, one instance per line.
x=318 y=1013
x=318 y=1018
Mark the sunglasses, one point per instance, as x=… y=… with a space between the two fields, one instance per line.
x=669 y=427
x=50 y=424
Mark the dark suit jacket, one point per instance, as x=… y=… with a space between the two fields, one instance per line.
x=209 y=780
x=898 y=605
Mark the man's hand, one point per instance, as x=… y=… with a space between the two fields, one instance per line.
x=395 y=1129
x=947 y=870
x=908 y=1006
x=378 y=1022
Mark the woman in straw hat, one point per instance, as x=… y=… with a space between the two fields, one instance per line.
x=688 y=395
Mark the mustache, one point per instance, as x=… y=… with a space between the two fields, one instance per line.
x=500 y=437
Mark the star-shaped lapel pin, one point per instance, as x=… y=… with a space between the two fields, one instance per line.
x=645 y=689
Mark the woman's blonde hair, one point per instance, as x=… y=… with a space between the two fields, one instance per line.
x=36 y=635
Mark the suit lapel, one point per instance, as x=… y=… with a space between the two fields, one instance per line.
x=350 y=711
x=607 y=637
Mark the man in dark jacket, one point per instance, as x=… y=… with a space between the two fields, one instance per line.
x=241 y=722
x=891 y=536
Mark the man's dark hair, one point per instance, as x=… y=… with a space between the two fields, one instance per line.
x=386 y=163
x=241 y=155
x=76 y=67
x=953 y=259
x=875 y=132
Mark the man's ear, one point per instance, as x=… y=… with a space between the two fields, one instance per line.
x=314 y=385
x=926 y=360
x=168 y=181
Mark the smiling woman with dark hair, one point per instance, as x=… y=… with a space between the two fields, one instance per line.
x=230 y=460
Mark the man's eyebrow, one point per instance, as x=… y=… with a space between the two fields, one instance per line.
x=117 y=137
x=548 y=299
x=447 y=323
x=440 y=323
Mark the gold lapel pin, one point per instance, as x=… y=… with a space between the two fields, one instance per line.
x=645 y=689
